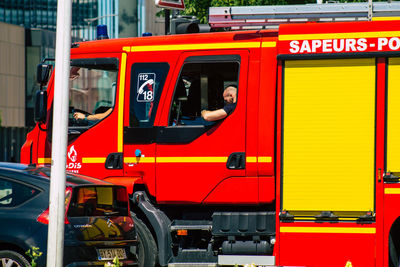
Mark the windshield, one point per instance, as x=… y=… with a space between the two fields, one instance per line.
x=93 y=85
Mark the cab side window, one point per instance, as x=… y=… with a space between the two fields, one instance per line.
x=200 y=86
x=147 y=81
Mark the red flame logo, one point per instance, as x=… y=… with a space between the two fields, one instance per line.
x=72 y=155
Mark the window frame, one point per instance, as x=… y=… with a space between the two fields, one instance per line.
x=136 y=68
x=73 y=131
x=198 y=59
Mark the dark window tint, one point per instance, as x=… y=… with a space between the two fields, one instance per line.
x=98 y=201
x=147 y=81
x=13 y=194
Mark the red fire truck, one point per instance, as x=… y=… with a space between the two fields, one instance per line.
x=303 y=172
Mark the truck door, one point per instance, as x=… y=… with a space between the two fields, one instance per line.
x=144 y=88
x=95 y=84
x=196 y=158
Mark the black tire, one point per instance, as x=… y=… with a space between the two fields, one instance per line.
x=393 y=257
x=147 y=252
x=14 y=258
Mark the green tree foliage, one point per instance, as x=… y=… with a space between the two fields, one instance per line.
x=198 y=8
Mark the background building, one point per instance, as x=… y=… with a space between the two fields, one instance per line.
x=27 y=36
x=12 y=74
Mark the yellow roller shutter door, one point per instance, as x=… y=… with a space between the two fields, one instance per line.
x=328 y=136
x=393 y=116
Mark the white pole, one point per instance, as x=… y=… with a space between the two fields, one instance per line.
x=55 y=240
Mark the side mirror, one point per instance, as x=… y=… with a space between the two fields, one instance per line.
x=40 y=106
x=43 y=73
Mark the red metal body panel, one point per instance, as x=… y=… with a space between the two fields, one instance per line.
x=339 y=38
x=390 y=215
x=252 y=115
x=236 y=190
x=29 y=149
x=325 y=248
x=26 y=149
x=338 y=27
x=381 y=238
x=266 y=189
x=44 y=130
x=267 y=105
x=277 y=249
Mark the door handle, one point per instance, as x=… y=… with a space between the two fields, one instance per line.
x=114 y=161
x=236 y=161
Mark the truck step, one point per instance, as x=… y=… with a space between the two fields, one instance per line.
x=195 y=256
x=191 y=225
x=224 y=260
x=240 y=223
x=246 y=259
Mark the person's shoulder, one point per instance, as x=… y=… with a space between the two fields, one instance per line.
x=228 y=108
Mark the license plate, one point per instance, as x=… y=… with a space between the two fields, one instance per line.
x=111 y=253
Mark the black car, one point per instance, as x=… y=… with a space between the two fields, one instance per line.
x=98 y=225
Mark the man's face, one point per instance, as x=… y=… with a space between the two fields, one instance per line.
x=228 y=96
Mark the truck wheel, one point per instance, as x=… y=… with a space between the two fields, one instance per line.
x=11 y=258
x=394 y=244
x=147 y=252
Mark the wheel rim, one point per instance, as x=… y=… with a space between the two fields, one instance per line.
x=7 y=262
